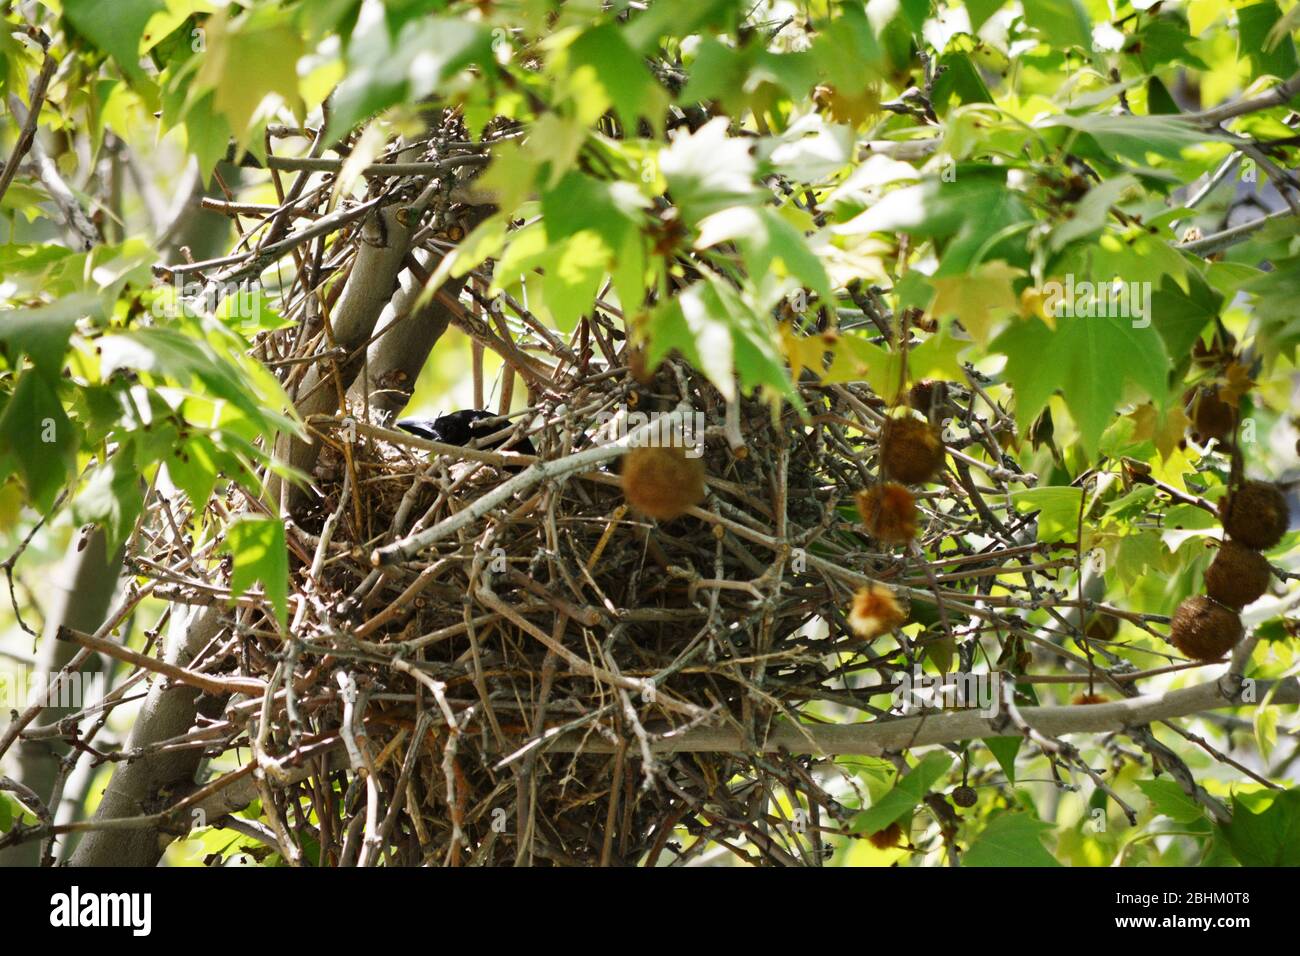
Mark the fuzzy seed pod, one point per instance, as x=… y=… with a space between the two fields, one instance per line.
x=1203 y=629
x=874 y=611
x=662 y=482
x=888 y=511
x=1210 y=415
x=910 y=451
x=924 y=395
x=1237 y=575
x=1255 y=515
x=964 y=796
x=1102 y=627
x=1084 y=699
x=886 y=838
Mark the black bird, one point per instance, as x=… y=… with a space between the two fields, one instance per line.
x=461 y=428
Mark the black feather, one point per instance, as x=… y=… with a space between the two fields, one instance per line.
x=462 y=427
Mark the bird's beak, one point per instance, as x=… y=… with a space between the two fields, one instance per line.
x=420 y=427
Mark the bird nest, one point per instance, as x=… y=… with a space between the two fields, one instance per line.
x=517 y=663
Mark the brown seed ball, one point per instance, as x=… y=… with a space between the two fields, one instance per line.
x=910 y=451
x=886 y=838
x=1102 y=627
x=1203 y=629
x=964 y=796
x=662 y=482
x=1211 y=416
x=1237 y=575
x=923 y=394
x=888 y=511
x=1255 y=515
x=1082 y=700
x=874 y=611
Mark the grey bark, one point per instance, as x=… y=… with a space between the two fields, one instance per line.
x=395 y=358
x=144 y=785
x=369 y=287
x=79 y=597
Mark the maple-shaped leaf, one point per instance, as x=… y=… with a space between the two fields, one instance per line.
x=115 y=28
x=801 y=351
x=1088 y=360
x=249 y=58
x=856 y=359
x=1237 y=383
x=936 y=357
x=976 y=298
x=1166 y=430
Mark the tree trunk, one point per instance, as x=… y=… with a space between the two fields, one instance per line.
x=79 y=597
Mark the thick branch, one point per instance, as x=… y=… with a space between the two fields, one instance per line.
x=1279 y=95
x=951 y=726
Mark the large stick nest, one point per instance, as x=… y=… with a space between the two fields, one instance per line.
x=517 y=691
x=545 y=652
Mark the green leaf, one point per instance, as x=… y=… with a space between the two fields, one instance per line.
x=719 y=72
x=1005 y=750
x=679 y=19
x=258 y=548
x=1131 y=136
x=708 y=170
x=765 y=238
x=1137 y=255
x=1276 y=304
x=1057 y=507
x=573 y=276
x=250 y=310
x=693 y=322
x=579 y=202
x=37 y=438
x=116 y=28
x=604 y=61
x=112 y=497
x=981 y=10
x=29 y=259
x=978 y=200
x=906 y=794
x=722 y=335
x=1168 y=798
x=1012 y=839
x=172 y=353
x=42 y=333
x=1088 y=360
x=810 y=150
x=1159 y=99
x=1254 y=24
x=1270 y=837
x=384 y=70
x=1091 y=213
x=1161 y=41
x=960 y=81
x=1180 y=316
x=249 y=58
x=847 y=49
x=208 y=134
x=484 y=241
x=6 y=812
x=1060 y=22
x=193 y=468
